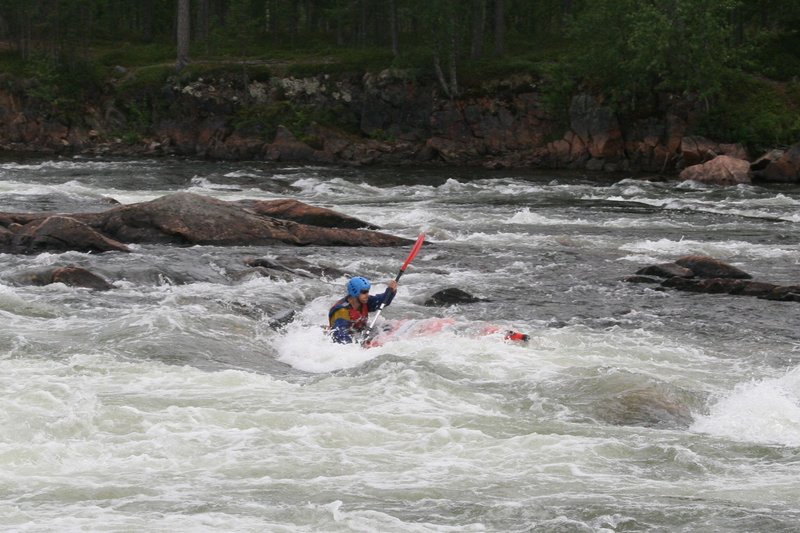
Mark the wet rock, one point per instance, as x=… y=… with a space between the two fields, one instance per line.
x=707 y=267
x=788 y=293
x=597 y=126
x=72 y=276
x=181 y=219
x=627 y=399
x=60 y=233
x=282 y=321
x=5 y=237
x=451 y=296
x=293 y=265
x=753 y=288
x=711 y=276
x=666 y=270
x=778 y=166
x=640 y=279
x=737 y=287
x=652 y=406
x=706 y=285
x=80 y=277
x=185 y=218
x=696 y=150
x=303 y=213
x=286 y=147
x=722 y=170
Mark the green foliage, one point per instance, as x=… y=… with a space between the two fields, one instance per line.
x=264 y=119
x=381 y=135
x=12 y=63
x=758 y=113
x=128 y=54
x=344 y=61
x=776 y=55
x=557 y=92
x=144 y=80
x=63 y=85
x=630 y=49
x=478 y=72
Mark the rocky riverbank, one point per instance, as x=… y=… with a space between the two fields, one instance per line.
x=388 y=118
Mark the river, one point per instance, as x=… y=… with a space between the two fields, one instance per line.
x=169 y=403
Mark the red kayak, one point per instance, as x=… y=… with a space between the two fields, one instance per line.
x=410 y=329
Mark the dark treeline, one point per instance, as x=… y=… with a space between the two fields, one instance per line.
x=626 y=49
x=472 y=29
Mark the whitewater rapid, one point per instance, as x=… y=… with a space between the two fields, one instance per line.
x=171 y=403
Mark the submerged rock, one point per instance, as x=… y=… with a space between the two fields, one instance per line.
x=451 y=296
x=292 y=265
x=72 y=276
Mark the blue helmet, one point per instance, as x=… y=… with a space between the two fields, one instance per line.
x=356 y=285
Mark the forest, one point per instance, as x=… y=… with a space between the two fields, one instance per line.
x=740 y=59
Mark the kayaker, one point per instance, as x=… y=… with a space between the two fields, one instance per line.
x=348 y=317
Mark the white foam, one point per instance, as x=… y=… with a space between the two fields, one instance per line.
x=669 y=248
x=765 y=411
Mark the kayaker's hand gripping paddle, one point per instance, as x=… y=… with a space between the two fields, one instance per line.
x=411 y=256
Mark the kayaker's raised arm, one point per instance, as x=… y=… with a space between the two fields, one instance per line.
x=347 y=318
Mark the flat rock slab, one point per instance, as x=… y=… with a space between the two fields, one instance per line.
x=187 y=219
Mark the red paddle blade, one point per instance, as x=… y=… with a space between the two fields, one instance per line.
x=414 y=251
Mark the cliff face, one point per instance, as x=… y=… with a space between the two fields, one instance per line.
x=385 y=118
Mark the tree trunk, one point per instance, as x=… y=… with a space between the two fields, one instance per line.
x=437 y=65
x=499 y=28
x=362 y=30
x=453 y=74
x=202 y=26
x=478 y=26
x=393 y=28
x=183 y=35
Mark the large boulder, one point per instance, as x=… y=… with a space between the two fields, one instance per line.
x=182 y=219
x=289 y=209
x=694 y=266
x=187 y=218
x=722 y=170
x=695 y=150
x=666 y=270
x=73 y=276
x=286 y=147
x=720 y=286
x=703 y=274
x=61 y=233
x=778 y=166
x=707 y=267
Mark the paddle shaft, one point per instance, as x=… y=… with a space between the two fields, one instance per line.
x=411 y=256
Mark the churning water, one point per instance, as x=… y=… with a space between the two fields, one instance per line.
x=169 y=403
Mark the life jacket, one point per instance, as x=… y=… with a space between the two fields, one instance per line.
x=358 y=317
